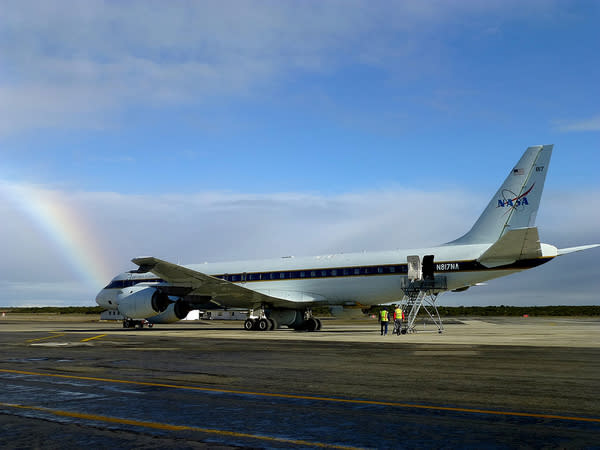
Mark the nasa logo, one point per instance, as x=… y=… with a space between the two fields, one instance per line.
x=513 y=200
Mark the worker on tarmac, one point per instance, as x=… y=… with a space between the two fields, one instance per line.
x=384 y=318
x=398 y=319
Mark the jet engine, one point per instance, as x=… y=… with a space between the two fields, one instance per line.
x=174 y=312
x=142 y=302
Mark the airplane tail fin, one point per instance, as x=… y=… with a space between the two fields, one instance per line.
x=516 y=203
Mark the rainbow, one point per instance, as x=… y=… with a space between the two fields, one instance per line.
x=53 y=215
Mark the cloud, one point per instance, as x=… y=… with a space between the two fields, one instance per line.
x=225 y=226
x=82 y=64
x=590 y=124
x=38 y=293
x=221 y=226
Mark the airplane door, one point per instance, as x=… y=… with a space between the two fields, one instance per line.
x=428 y=267
x=414 y=267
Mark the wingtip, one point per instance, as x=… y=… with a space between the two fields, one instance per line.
x=143 y=260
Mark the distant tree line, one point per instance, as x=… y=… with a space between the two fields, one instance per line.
x=502 y=310
x=55 y=310
x=558 y=310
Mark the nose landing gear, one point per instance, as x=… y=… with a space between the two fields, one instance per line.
x=132 y=323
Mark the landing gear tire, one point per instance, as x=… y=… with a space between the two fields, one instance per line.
x=318 y=325
x=264 y=325
x=312 y=324
x=249 y=325
x=274 y=324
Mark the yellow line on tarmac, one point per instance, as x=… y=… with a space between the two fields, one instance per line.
x=170 y=427
x=95 y=337
x=314 y=398
x=47 y=337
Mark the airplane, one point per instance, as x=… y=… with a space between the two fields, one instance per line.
x=281 y=292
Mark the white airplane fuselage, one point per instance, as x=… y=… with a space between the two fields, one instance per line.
x=366 y=278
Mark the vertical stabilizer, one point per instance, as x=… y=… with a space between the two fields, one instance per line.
x=516 y=203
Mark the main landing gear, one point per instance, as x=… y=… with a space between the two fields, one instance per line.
x=260 y=319
x=262 y=324
x=309 y=323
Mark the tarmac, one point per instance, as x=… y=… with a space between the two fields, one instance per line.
x=72 y=381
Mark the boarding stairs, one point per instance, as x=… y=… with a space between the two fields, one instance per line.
x=422 y=293
x=413 y=305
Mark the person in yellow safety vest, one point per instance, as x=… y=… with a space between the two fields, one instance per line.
x=383 y=317
x=398 y=319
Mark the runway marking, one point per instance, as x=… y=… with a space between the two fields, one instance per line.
x=47 y=337
x=94 y=337
x=314 y=398
x=170 y=427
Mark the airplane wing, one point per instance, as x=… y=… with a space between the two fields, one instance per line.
x=221 y=292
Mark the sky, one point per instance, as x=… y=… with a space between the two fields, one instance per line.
x=230 y=130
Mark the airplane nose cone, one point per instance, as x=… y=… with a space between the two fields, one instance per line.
x=104 y=299
x=99 y=298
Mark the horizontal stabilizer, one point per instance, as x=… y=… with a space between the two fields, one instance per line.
x=564 y=251
x=521 y=243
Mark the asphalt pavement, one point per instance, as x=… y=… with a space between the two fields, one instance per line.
x=70 y=382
